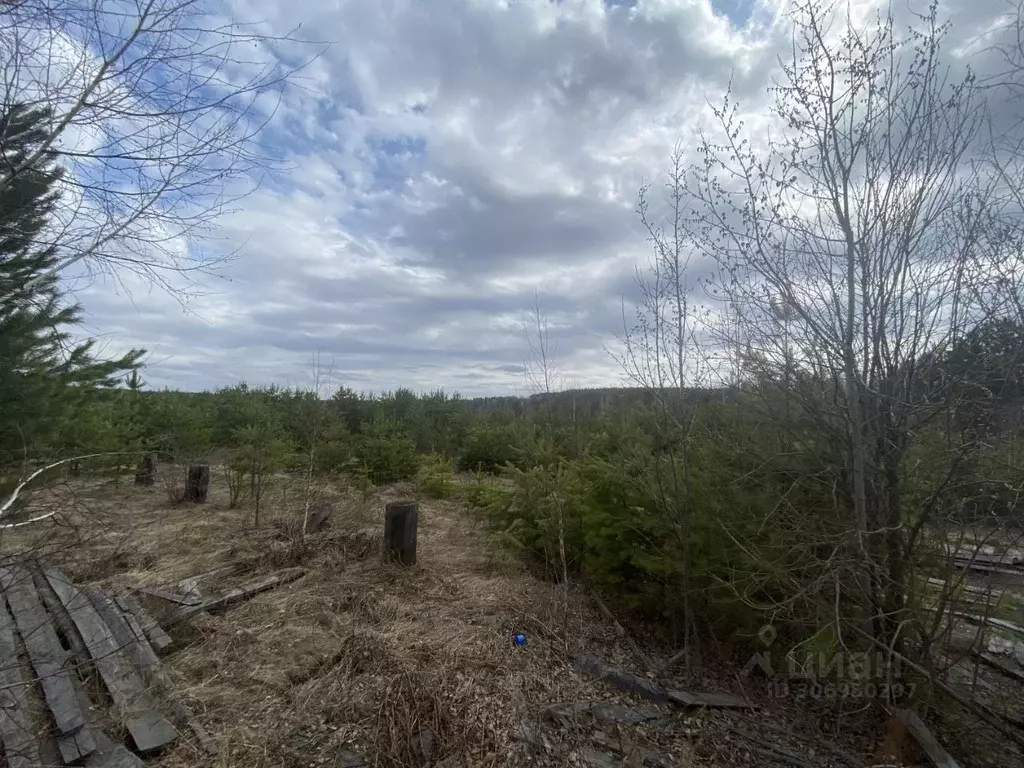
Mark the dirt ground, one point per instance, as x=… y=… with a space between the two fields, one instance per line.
x=361 y=659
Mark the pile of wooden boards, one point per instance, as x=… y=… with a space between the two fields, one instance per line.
x=79 y=666
x=986 y=560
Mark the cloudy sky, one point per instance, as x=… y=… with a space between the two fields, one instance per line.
x=446 y=160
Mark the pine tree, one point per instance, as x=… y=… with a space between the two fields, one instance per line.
x=45 y=374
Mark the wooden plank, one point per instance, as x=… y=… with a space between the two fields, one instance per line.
x=991 y=621
x=158 y=639
x=140 y=652
x=171 y=597
x=237 y=594
x=149 y=729
x=916 y=727
x=984 y=568
x=108 y=754
x=131 y=637
x=1005 y=667
x=49 y=660
x=621 y=679
x=59 y=616
x=16 y=731
x=219 y=571
x=710 y=700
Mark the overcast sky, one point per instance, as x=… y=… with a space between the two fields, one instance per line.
x=449 y=158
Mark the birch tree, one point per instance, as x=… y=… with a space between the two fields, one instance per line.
x=156 y=106
x=662 y=354
x=847 y=236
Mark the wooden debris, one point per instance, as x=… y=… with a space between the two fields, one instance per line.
x=108 y=754
x=197 y=483
x=621 y=679
x=141 y=653
x=1007 y=668
x=158 y=639
x=148 y=728
x=219 y=571
x=916 y=727
x=710 y=700
x=63 y=624
x=48 y=659
x=133 y=640
x=991 y=621
x=237 y=594
x=16 y=729
x=171 y=597
x=974 y=565
x=650 y=690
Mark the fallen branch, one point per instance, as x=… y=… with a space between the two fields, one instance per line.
x=997 y=664
x=171 y=597
x=916 y=727
x=237 y=594
x=652 y=691
x=621 y=630
x=988 y=715
x=14 y=495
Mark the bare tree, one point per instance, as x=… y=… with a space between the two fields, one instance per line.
x=847 y=241
x=542 y=372
x=322 y=375
x=662 y=354
x=156 y=106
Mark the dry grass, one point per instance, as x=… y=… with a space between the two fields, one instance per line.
x=398 y=664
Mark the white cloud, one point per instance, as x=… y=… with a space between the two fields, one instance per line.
x=445 y=163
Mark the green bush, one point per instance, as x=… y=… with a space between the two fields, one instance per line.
x=436 y=478
x=487 y=448
x=482 y=493
x=386 y=452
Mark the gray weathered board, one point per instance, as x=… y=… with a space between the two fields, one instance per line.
x=936 y=753
x=652 y=691
x=48 y=659
x=132 y=639
x=148 y=728
x=16 y=729
x=236 y=594
x=154 y=632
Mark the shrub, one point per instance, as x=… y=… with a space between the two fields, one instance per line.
x=481 y=493
x=436 y=478
x=385 y=452
x=490 y=447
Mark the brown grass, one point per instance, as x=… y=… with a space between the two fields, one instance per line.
x=398 y=664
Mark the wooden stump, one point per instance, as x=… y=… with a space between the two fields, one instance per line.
x=319 y=513
x=197 y=485
x=400 y=522
x=146 y=473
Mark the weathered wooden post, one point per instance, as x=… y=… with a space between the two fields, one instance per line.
x=197 y=484
x=146 y=473
x=400 y=522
